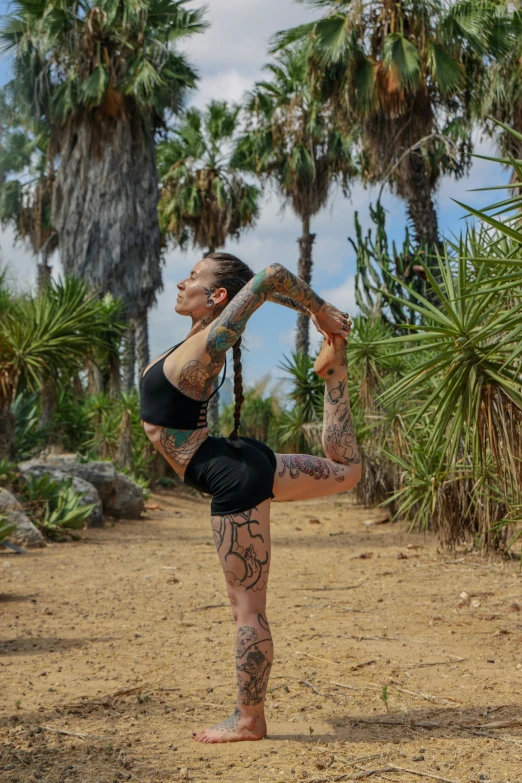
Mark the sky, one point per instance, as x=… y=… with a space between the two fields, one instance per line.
x=229 y=57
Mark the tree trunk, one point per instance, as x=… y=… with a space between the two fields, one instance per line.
x=48 y=401
x=304 y=271
x=7 y=434
x=104 y=207
x=44 y=270
x=421 y=209
x=129 y=357
x=94 y=378
x=141 y=331
x=124 y=452
x=114 y=375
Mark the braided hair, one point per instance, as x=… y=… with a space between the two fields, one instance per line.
x=232 y=274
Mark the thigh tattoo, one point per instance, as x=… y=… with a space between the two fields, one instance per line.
x=248 y=560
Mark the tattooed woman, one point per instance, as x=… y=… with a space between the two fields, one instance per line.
x=243 y=475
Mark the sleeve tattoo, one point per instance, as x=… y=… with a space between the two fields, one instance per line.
x=275 y=279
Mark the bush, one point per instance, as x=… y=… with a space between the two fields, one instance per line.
x=54 y=506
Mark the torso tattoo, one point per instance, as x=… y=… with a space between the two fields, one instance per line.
x=181 y=445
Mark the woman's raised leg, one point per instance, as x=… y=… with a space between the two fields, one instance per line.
x=302 y=476
x=243 y=545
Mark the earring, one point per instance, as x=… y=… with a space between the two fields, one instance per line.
x=210 y=303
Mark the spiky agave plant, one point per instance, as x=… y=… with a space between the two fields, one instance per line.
x=473 y=365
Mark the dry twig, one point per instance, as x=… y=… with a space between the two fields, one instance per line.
x=325 y=660
x=324 y=589
x=321 y=693
x=63 y=731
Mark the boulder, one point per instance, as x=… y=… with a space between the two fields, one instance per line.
x=90 y=495
x=25 y=533
x=102 y=475
x=127 y=500
x=121 y=497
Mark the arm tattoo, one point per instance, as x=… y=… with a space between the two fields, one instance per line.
x=230 y=324
x=286 y=301
x=195 y=380
x=317 y=467
x=181 y=445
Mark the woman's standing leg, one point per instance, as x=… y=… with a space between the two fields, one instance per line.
x=243 y=545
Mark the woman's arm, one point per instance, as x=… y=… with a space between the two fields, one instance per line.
x=287 y=301
x=275 y=279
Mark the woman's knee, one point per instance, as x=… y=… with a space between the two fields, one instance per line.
x=243 y=602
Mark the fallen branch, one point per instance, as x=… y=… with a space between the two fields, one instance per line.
x=63 y=731
x=420 y=774
x=324 y=589
x=320 y=693
x=435 y=663
x=128 y=691
x=358 y=638
x=363 y=664
x=365 y=773
x=407 y=724
x=208 y=606
x=426 y=696
x=325 y=660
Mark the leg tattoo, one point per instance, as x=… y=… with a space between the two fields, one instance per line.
x=253 y=661
x=244 y=556
x=339 y=441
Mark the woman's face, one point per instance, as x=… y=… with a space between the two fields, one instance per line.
x=196 y=289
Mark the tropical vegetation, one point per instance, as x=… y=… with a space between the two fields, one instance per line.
x=101 y=158
x=292 y=142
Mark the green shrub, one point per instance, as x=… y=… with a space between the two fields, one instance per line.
x=54 y=506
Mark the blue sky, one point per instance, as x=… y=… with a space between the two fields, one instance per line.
x=229 y=57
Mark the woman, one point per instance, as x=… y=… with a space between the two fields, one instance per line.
x=241 y=474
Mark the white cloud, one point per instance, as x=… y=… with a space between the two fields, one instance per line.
x=227 y=86
x=240 y=32
x=343 y=295
x=286 y=338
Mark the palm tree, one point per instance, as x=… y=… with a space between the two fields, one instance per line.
x=104 y=76
x=204 y=198
x=501 y=99
x=26 y=178
x=404 y=73
x=292 y=143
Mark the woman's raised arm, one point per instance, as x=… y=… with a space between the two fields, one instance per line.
x=230 y=324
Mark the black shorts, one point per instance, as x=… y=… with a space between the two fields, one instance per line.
x=237 y=479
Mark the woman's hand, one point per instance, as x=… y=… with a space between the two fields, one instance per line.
x=329 y=321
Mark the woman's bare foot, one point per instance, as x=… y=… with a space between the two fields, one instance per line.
x=236 y=728
x=332 y=357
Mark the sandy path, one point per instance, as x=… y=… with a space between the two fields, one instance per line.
x=141 y=605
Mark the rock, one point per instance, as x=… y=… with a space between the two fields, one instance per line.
x=120 y=496
x=90 y=495
x=102 y=475
x=25 y=533
x=127 y=500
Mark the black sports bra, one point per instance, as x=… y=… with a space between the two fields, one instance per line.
x=164 y=404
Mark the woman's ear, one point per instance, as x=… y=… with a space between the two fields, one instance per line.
x=220 y=297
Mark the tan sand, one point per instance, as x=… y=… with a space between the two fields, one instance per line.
x=115 y=648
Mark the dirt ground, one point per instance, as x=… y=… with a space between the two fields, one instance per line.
x=116 y=647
